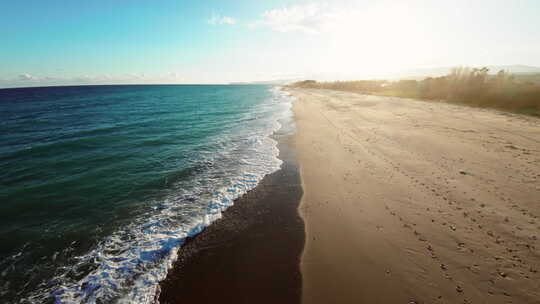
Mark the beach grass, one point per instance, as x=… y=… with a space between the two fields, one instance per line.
x=474 y=87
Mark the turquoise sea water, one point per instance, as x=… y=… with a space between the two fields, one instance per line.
x=99 y=185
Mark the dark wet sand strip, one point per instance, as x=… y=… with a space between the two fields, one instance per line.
x=252 y=254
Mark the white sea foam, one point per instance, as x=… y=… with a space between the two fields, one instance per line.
x=128 y=266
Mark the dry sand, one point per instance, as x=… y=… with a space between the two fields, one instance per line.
x=417 y=202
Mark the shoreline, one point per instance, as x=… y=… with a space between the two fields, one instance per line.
x=363 y=211
x=252 y=254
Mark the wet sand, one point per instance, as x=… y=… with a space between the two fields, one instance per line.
x=417 y=202
x=252 y=254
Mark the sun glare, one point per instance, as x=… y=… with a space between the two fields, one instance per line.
x=377 y=40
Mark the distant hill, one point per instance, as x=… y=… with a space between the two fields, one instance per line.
x=441 y=71
x=523 y=72
x=267 y=82
x=514 y=69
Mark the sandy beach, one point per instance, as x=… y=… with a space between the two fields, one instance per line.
x=416 y=202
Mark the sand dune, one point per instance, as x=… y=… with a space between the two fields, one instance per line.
x=416 y=202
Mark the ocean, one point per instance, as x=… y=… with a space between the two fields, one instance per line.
x=100 y=185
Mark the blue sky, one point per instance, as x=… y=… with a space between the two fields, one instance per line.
x=163 y=41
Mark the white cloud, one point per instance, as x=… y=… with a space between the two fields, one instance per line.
x=219 y=20
x=309 y=18
x=26 y=77
x=335 y=17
